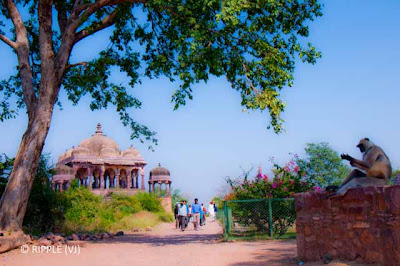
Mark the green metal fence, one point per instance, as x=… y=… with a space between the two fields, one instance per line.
x=258 y=218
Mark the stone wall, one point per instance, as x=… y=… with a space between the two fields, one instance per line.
x=362 y=225
x=166 y=202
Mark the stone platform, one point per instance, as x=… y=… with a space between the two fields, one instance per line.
x=362 y=225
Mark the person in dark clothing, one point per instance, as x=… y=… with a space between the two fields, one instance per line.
x=177 y=223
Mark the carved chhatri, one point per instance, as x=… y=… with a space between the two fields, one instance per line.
x=99 y=164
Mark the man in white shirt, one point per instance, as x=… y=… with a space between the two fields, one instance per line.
x=182 y=213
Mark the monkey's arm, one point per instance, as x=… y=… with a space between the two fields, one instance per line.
x=355 y=162
x=359 y=164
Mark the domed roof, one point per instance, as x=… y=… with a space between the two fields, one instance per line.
x=100 y=143
x=131 y=152
x=159 y=173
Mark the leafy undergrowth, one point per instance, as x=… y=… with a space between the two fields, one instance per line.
x=85 y=212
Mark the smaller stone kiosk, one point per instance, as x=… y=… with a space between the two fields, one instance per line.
x=362 y=225
x=161 y=176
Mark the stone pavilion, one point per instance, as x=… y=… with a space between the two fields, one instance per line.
x=99 y=164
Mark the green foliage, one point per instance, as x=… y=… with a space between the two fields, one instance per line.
x=323 y=165
x=393 y=177
x=255 y=44
x=218 y=202
x=44 y=210
x=6 y=165
x=177 y=197
x=86 y=212
x=149 y=202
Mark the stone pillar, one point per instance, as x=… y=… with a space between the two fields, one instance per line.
x=159 y=188
x=53 y=185
x=169 y=189
x=90 y=175
x=117 y=179
x=137 y=182
x=102 y=172
x=142 y=173
x=128 y=180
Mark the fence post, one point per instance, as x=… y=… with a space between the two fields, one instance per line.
x=271 y=229
x=226 y=221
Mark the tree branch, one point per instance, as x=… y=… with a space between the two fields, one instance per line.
x=8 y=41
x=22 y=50
x=61 y=16
x=83 y=63
x=105 y=22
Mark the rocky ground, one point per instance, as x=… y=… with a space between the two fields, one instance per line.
x=163 y=245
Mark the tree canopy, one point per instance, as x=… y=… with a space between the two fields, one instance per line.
x=323 y=165
x=255 y=44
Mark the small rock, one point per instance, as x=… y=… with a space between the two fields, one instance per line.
x=148 y=228
x=119 y=233
x=70 y=238
x=58 y=238
x=44 y=242
x=1 y=234
x=135 y=229
x=49 y=236
x=106 y=236
x=28 y=239
x=74 y=237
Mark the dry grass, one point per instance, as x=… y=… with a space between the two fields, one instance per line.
x=140 y=220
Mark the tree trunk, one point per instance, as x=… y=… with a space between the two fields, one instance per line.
x=15 y=198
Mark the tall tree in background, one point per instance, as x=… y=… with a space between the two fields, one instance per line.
x=253 y=43
x=323 y=165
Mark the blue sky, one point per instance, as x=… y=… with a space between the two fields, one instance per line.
x=352 y=92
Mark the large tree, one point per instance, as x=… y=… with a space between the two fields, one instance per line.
x=255 y=44
x=323 y=165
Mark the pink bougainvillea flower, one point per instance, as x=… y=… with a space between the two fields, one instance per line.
x=285 y=189
x=274 y=185
x=296 y=169
x=265 y=177
x=317 y=188
x=291 y=182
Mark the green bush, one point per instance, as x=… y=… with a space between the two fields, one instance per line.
x=86 y=212
x=149 y=202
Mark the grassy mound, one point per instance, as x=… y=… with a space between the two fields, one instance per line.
x=86 y=212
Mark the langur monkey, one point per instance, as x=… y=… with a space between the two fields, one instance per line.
x=374 y=169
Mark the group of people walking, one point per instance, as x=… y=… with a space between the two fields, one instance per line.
x=195 y=213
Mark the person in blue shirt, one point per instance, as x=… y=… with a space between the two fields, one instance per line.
x=196 y=212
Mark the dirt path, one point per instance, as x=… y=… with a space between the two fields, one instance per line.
x=165 y=246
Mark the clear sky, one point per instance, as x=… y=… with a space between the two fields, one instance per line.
x=352 y=92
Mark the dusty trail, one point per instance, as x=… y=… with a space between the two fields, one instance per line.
x=166 y=246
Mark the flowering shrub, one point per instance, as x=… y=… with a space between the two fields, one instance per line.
x=287 y=181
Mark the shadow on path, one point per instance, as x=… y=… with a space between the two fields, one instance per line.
x=157 y=240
